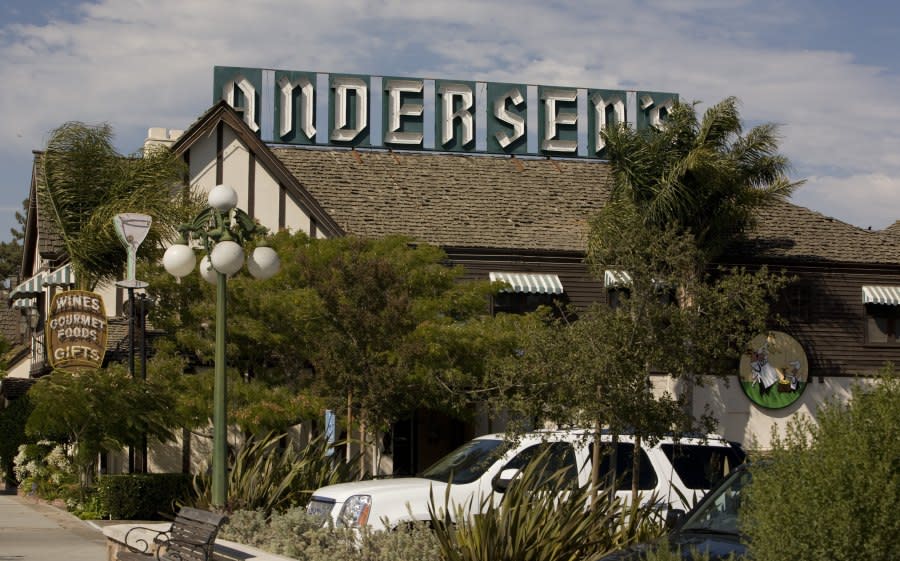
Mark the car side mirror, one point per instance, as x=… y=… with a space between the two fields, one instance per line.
x=502 y=480
x=674 y=516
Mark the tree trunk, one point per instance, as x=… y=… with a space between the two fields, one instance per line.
x=635 y=469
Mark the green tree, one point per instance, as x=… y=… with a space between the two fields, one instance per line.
x=597 y=370
x=830 y=489
x=86 y=183
x=11 y=251
x=385 y=323
x=99 y=410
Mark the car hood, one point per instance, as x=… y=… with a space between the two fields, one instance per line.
x=401 y=498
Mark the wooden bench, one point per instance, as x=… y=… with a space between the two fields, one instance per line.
x=190 y=538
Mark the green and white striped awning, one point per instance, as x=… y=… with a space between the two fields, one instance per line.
x=616 y=279
x=30 y=288
x=63 y=276
x=529 y=283
x=888 y=295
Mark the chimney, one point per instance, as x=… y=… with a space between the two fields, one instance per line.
x=160 y=137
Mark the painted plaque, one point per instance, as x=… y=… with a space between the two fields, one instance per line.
x=76 y=330
x=774 y=370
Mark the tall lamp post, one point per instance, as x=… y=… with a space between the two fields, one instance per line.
x=221 y=230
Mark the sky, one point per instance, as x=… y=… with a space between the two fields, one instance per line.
x=826 y=71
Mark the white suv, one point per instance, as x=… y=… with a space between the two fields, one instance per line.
x=675 y=472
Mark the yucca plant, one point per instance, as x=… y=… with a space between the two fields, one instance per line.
x=541 y=517
x=272 y=474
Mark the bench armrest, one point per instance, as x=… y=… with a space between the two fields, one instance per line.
x=140 y=539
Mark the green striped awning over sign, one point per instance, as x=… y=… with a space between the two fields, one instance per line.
x=888 y=295
x=531 y=283
x=63 y=276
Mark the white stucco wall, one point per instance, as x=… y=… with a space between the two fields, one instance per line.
x=743 y=421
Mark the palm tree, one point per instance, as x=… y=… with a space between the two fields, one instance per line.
x=703 y=177
x=85 y=183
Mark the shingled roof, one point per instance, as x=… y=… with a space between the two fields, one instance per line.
x=454 y=200
x=530 y=204
x=786 y=231
x=506 y=203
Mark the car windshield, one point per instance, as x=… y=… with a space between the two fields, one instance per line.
x=467 y=463
x=719 y=511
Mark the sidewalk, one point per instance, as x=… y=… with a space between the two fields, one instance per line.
x=30 y=531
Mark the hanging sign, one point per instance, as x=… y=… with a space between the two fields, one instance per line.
x=301 y=107
x=774 y=370
x=76 y=331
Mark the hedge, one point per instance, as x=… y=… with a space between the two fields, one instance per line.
x=150 y=496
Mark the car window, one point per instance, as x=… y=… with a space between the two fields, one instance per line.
x=467 y=463
x=557 y=456
x=702 y=466
x=720 y=510
x=624 y=458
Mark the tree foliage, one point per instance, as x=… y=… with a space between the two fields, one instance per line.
x=704 y=176
x=12 y=434
x=86 y=183
x=830 y=490
x=382 y=321
x=99 y=410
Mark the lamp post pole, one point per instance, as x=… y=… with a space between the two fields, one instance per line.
x=220 y=414
x=221 y=229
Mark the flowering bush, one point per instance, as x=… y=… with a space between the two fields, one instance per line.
x=45 y=468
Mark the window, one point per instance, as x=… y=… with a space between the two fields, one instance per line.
x=624 y=457
x=700 y=467
x=526 y=292
x=557 y=456
x=882 y=322
x=523 y=303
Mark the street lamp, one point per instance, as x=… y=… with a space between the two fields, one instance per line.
x=221 y=230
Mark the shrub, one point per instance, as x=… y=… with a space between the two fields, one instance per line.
x=45 y=468
x=272 y=474
x=829 y=492
x=148 y=496
x=295 y=534
x=541 y=517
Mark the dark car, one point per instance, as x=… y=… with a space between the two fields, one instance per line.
x=710 y=528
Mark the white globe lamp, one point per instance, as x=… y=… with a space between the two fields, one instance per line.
x=207 y=271
x=179 y=260
x=222 y=198
x=227 y=257
x=263 y=263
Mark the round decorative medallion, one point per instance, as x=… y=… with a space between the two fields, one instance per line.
x=774 y=370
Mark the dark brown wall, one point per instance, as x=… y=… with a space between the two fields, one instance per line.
x=826 y=313
x=580 y=286
x=827 y=316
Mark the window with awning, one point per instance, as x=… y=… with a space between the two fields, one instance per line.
x=529 y=283
x=526 y=292
x=882 y=314
x=886 y=295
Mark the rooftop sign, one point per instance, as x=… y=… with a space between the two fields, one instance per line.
x=309 y=108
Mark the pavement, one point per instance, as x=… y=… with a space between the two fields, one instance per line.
x=34 y=531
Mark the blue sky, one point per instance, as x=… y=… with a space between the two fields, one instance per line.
x=827 y=72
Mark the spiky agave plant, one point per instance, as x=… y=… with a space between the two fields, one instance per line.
x=542 y=516
x=273 y=474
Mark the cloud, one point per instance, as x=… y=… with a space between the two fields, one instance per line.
x=141 y=64
x=867 y=200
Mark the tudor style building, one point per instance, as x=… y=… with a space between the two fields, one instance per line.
x=525 y=220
